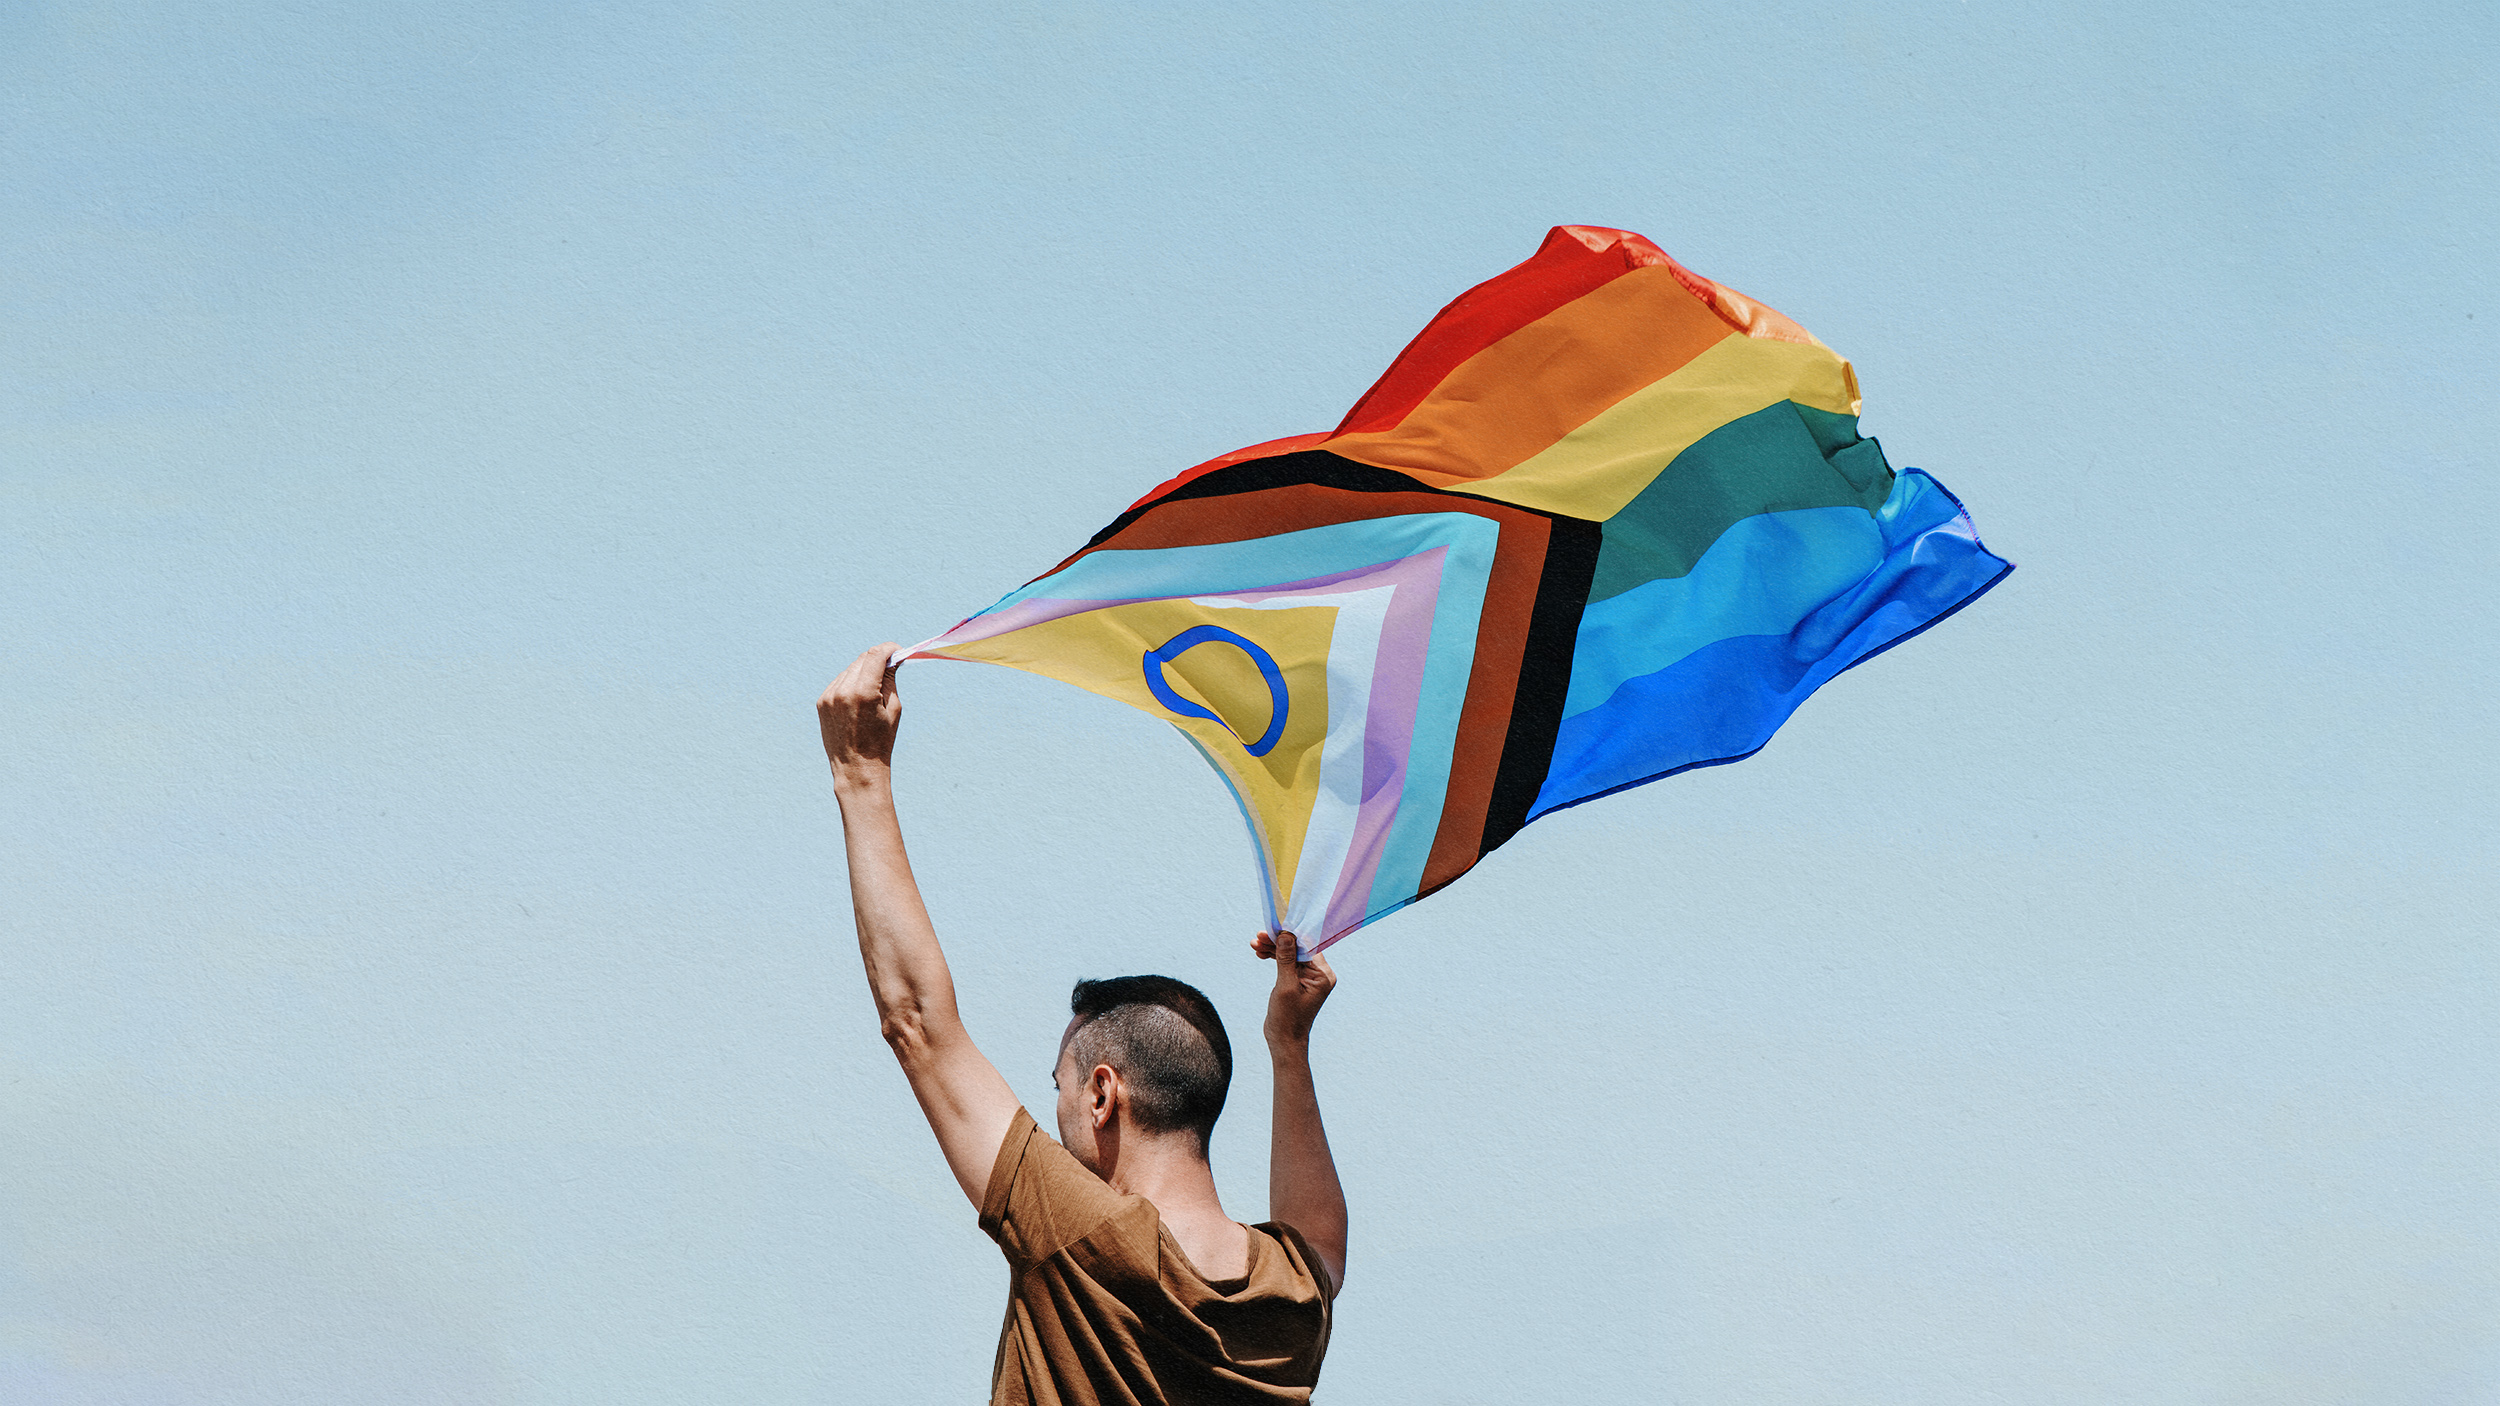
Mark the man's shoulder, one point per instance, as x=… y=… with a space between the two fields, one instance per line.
x=1300 y=1260
x=1041 y=1200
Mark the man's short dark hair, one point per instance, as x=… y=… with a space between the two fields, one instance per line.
x=1168 y=1044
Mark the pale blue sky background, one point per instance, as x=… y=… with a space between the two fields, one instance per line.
x=444 y=448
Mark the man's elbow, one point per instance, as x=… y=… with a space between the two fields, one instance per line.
x=914 y=1032
x=906 y=1032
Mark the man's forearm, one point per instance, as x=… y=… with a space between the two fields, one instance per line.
x=906 y=967
x=1302 y=1187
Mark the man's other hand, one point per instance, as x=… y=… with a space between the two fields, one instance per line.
x=858 y=714
x=1300 y=988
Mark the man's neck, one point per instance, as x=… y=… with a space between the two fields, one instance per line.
x=1164 y=1170
x=1168 y=1172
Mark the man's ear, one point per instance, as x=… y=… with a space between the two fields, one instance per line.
x=1102 y=1094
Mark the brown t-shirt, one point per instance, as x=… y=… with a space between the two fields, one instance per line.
x=1103 y=1309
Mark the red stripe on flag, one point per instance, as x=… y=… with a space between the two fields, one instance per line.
x=1574 y=261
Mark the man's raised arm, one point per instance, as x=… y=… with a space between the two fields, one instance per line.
x=1302 y=1189
x=968 y=1105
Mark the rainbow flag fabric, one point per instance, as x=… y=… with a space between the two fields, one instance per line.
x=1603 y=521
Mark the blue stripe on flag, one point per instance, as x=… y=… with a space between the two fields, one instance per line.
x=1723 y=701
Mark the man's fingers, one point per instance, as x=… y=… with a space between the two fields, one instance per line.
x=889 y=682
x=868 y=671
x=869 y=676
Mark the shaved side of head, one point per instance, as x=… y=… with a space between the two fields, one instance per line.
x=1166 y=1041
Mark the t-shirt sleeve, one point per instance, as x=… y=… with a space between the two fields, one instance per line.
x=1040 y=1198
x=1303 y=1257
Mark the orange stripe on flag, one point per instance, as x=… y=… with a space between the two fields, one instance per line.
x=1514 y=399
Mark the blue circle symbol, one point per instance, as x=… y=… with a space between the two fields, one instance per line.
x=1195 y=635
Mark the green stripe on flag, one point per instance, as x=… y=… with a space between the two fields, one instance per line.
x=1783 y=457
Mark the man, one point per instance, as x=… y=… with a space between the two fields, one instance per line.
x=1129 y=1283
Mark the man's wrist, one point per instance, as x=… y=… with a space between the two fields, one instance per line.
x=862 y=780
x=1289 y=1049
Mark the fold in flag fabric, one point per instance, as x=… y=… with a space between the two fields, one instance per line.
x=1603 y=521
